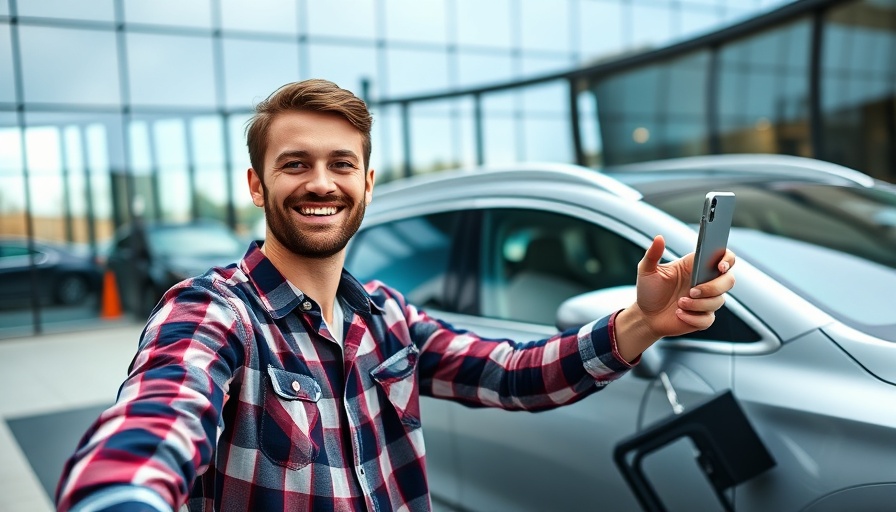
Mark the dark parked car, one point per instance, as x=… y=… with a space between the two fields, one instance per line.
x=65 y=275
x=150 y=258
x=806 y=341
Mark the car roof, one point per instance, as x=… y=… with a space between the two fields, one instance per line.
x=740 y=168
x=532 y=171
x=634 y=181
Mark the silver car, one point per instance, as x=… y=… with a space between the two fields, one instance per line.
x=805 y=345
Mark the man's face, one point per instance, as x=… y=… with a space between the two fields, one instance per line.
x=314 y=187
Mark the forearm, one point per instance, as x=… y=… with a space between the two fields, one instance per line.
x=633 y=335
x=153 y=439
x=161 y=432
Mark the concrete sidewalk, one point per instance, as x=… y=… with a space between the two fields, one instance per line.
x=49 y=384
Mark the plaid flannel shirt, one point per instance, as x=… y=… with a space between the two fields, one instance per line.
x=240 y=399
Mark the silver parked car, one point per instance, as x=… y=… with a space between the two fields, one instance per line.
x=806 y=343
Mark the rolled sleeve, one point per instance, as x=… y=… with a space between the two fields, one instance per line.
x=600 y=354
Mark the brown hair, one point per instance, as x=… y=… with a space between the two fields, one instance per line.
x=314 y=95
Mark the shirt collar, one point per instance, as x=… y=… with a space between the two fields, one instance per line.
x=280 y=299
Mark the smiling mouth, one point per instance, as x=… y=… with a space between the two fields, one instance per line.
x=318 y=211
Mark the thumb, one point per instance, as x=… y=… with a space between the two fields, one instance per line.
x=652 y=257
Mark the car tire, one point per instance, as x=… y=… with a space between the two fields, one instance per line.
x=71 y=289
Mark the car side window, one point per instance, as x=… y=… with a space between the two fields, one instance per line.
x=410 y=255
x=534 y=260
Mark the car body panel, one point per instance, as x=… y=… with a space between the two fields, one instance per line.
x=798 y=379
x=61 y=274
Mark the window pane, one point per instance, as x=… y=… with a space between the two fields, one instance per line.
x=4 y=7
x=329 y=19
x=247 y=214
x=207 y=157
x=539 y=259
x=551 y=97
x=501 y=134
x=55 y=69
x=410 y=255
x=387 y=156
x=545 y=25
x=651 y=26
x=656 y=112
x=12 y=185
x=255 y=69
x=102 y=10
x=195 y=13
x=328 y=61
x=432 y=141
x=171 y=70
x=859 y=88
x=413 y=20
x=482 y=68
x=535 y=66
x=277 y=16
x=589 y=126
x=172 y=180
x=412 y=72
x=484 y=23
x=547 y=138
x=763 y=92
x=698 y=20
x=600 y=28
x=7 y=82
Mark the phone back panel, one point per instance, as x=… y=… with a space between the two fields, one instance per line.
x=715 y=224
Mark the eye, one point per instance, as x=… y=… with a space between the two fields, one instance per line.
x=344 y=165
x=295 y=164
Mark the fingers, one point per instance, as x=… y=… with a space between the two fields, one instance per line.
x=699 y=321
x=697 y=306
x=727 y=261
x=653 y=255
x=719 y=285
x=714 y=287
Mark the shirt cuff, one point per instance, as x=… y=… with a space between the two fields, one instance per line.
x=597 y=347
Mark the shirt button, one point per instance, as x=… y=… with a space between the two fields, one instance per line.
x=306 y=305
x=361 y=471
x=296 y=386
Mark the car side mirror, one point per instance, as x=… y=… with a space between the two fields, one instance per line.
x=582 y=309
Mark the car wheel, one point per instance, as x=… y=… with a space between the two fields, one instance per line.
x=72 y=289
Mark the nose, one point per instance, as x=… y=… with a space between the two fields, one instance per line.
x=320 y=181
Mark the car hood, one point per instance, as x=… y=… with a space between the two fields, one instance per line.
x=852 y=289
x=873 y=354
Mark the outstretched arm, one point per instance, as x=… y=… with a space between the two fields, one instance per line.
x=666 y=303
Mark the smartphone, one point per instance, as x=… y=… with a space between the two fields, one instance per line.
x=712 y=241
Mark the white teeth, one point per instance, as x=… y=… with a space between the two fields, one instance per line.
x=323 y=210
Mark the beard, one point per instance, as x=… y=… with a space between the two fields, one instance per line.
x=312 y=242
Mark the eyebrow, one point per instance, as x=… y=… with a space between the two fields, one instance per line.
x=301 y=153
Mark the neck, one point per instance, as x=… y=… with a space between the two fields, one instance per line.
x=318 y=278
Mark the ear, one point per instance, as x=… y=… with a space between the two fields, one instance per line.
x=368 y=186
x=256 y=188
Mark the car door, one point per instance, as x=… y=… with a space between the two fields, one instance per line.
x=16 y=273
x=418 y=255
x=532 y=259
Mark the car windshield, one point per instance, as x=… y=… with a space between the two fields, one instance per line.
x=195 y=241
x=834 y=245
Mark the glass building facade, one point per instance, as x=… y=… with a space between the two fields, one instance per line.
x=110 y=107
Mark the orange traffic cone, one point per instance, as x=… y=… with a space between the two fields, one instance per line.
x=111 y=307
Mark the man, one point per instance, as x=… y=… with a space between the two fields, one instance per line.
x=281 y=383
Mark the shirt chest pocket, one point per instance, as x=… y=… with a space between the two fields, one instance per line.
x=289 y=417
x=397 y=378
